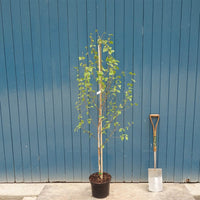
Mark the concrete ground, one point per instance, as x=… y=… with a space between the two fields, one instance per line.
x=82 y=191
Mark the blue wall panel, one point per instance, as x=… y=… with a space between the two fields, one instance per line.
x=138 y=40
x=128 y=65
x=110 y=147
x=164 y=83
x=182 y=79
x=40 y=42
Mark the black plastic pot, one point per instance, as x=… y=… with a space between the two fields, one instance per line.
x=100 y=190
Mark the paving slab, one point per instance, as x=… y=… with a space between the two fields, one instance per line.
x=66 y=191
x=10 y=198
x=21 y=189
x=29 y=198
x=140 y=191
x=118 y=191
x=194 y=188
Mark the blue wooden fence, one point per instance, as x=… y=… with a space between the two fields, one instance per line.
x=40 y=41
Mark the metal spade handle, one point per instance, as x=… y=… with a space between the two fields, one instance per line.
x=154 y=134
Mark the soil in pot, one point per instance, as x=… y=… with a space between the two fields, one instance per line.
x=100 y=187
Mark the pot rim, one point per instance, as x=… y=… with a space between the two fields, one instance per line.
x=108 y=181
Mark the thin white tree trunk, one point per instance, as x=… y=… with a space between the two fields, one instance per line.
x=100 y=142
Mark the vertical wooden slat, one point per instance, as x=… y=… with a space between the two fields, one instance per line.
x=12 y=89
x=191 y=74
x=100 y=16
x=146 y=89
x=174 y=56
x=155 y=79
x=30 y=86
x=39 y=89
x=73 y=48
x=83 y=42
x=119 y=52
x=195 y=176
x=110 y=6
x=164 y=93
x=21 y=83
x=46 y=63
x=36 y=157
x=15 y=45
x=3 y=169
x=57 y=88
x=128 y=64
x=181 y=99
x=91 y=19
x=138 y=68
x=66 y=95
x=6 y=127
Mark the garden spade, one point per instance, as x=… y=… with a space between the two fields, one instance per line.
x=155 y=174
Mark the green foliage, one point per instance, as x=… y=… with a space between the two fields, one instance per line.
x=111 y=80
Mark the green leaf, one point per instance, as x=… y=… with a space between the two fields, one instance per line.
x=105 y=49
x=119 y=112
x=131 y=73
x=121 y=130
x=101 y=117
x=120 y=105
x=122 y=137
x=82 y=58
x=126 y=137
x=89 y=121
x=133 y=80
x=123 y=73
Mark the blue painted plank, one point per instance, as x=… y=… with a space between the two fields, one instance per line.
x=119 y=55
x=66 y=96
x=83 y=42
x=101 y=27
x=57 y=88
x=110 y=147
x=146 y=87
x=155 y=75
x=182 y=77
x=138 y=68
x=39 y=90
x=164 y=87
x=21 y=84
x=92 y=25
x=12 y=89
x=128 y=65
x=172 y=112
x=196 y=123
x=3 y=170
x=30 y=86
x=190 y=106
x=100 y=6
x=73 y=48
x=48 y=96
x=5 y=117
